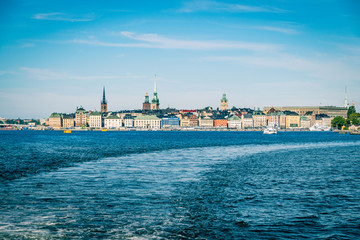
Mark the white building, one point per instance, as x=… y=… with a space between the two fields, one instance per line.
x=112 y=122
x=128 y=121
x=206 y=122
x=147 y=121
x=247 y=121
x=95 y=120
x=234 y=122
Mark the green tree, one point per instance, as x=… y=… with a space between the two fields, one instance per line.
x=354 y=118
x=338 y=122
x=350 y=111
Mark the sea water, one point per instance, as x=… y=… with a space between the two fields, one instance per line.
x=179 y=185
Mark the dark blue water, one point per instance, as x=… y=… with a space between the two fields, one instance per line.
x=179 y=185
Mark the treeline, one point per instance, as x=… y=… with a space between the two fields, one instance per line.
x=353 y=118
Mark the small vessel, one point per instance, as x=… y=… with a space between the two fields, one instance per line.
x=319 y=128
x=104 y=130
x=270 y=130
x=67 y=131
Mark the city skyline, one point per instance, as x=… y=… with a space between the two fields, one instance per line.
x=56 y=56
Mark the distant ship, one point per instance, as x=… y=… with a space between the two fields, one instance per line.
x=320 y=128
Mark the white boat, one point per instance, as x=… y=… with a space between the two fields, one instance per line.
x=319 y=128
x=270 y=130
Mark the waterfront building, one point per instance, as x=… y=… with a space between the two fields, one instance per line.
x=305 y=122
x=311 y=115
x=220 y=122
x=95 y=120
x=148 y=122
x=103 y=102
x=80 y=117
x=247 y=121
x=323 y=120
x=259 y=119
x=234 y=121
x=68 y=120
x=224 y=103
x=331 y=111
x=276 y=118
x=128 y=121
x=155 y=103
x=185 y=120
x=112 y=122
x=170 y=122
x=55 y=120
x=147 y=104
x=292 y=119
x=206 y=122
x=194 y=120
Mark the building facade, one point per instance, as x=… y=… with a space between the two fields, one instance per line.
x=95 y=120
x=80 y=117
x=55 y=120
x=147 y=122
x=170 y=122
x=292 y=119
x=206 y=122
x=247 y=121
x=68 y=120
x=112 y=122
x=234 y=122
x=128 y=121
x=220 y=122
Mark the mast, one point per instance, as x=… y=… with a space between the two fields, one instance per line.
x=346 y=98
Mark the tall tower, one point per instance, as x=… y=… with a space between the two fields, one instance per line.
x=103 y=102
x=146 y=104
x=155 y=100
x=224 y=103
x=346 y=98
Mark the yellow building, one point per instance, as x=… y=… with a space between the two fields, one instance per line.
x=55 y=120
x=292 y=119
x=68 y=121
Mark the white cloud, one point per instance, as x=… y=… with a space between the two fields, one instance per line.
x=161 y=42
x=213 y=6
x=277 y=29
x=58 y=16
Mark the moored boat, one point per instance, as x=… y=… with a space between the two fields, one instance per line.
x=270 y=130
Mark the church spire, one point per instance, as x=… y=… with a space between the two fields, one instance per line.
x=103 y=102
x=155 y=100
x=155 y=85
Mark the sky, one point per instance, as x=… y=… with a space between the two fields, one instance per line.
x=58 y=55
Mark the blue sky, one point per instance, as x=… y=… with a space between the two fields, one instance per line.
x=57 y=55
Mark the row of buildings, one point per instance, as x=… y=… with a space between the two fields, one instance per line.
x=241 y=119
x=152 y=117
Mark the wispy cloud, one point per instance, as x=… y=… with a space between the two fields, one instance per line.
x=213 y=6
x=161 y=42
x=48 y=74
x=277 y=29
x=58 y=16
